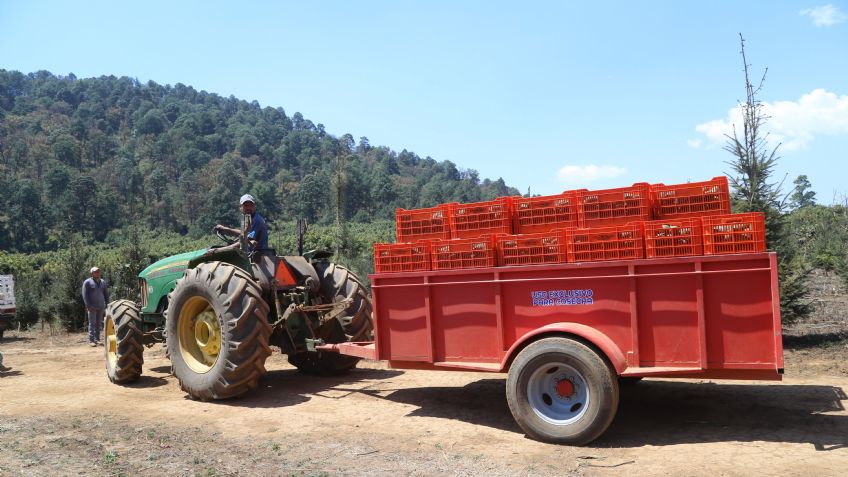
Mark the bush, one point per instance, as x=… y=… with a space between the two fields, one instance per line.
x=48 y=284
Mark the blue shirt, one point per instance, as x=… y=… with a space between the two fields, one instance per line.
x=258 y=232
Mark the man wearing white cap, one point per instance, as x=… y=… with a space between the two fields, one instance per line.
x=257 y=230
x=95 y=294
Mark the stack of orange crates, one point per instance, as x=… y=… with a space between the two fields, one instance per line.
x=673 y=238
x=481 y=218
x=695 y=199
x=735 y=233
x=532 y=249
x=420 y=224
x=464 y=253
x=402 y=257
x=546 y=213
x=601 y=208
x=615 y=242
x=640 y=221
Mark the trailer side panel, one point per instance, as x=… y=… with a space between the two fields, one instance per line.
x=670 y=316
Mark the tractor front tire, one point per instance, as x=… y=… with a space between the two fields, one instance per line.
x=561 y=391
x=123 y=340
x=217 y=331
x=354 y=323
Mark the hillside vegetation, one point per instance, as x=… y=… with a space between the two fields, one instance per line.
x=120 y=173
x=93 y=155
x=115 y=172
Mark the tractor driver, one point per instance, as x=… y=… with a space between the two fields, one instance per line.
x=257 y=230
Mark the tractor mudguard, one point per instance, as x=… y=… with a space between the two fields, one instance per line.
x=318 y=255
x=302 y=267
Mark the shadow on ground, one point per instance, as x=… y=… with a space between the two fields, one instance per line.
x=13 y=339
x=482 y=402
x=287 y=387
x=668 y=412
x=145 y=381
x=662 y=413
x=816 y=340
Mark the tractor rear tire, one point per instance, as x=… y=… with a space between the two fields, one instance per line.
x=339 y=283
x=217 y=331
x=123 y=340
x=561 y=391
x=354 y=323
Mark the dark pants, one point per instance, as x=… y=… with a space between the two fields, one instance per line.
x=95 y=324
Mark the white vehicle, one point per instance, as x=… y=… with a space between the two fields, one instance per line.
x=7 y=302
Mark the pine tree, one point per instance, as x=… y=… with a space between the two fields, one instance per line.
x=753 y=191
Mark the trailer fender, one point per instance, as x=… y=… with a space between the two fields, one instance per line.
x=591 y=335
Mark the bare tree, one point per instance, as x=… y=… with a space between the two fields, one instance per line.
x=754 y=160
x=753 y=165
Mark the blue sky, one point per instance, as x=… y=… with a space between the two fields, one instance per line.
x=548 y=95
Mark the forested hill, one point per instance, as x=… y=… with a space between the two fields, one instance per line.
x=92 y=155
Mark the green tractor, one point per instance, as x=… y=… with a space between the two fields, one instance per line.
x=220 y=311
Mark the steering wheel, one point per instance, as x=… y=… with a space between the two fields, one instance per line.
x=226 y=238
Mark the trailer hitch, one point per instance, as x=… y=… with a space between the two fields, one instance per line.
x=340 y=305
x=328 y=311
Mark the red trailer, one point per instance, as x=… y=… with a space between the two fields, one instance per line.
x=568 y=333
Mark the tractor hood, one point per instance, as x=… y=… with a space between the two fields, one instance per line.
x=159 y=279
x=174 y=264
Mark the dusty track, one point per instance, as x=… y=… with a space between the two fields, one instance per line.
x=59 y=415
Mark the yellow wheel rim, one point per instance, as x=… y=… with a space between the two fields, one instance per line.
x=111 y=342
x=199 y=334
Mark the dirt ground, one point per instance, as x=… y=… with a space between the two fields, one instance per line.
x=59 y=415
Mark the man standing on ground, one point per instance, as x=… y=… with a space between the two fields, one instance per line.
x=95 y=294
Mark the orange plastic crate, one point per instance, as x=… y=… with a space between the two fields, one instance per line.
x=695 y=199
x=418 y=224
x=735 y=233
x=546 y=213
x=481 y=218
x=531 y=249
x=674 y=238
x=599 y=208
x=620 y=242
x=401 y=257
x=463 y=253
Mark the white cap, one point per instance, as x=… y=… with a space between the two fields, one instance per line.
x=246 y=198
x=94 y=269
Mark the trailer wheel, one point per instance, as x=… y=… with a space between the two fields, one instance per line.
x=217 y=331
x=560 y=391
x=123 y=342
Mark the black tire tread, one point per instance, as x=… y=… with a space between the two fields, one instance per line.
x=129 y=350
x=595 y=368
x=243 y=314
